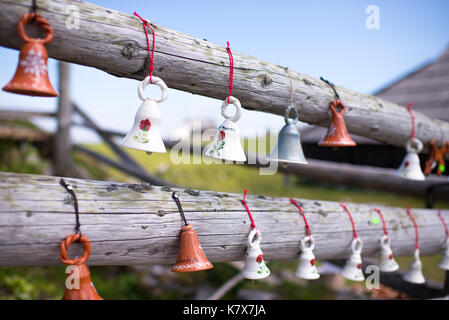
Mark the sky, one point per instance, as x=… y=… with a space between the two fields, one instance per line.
x=318 y=38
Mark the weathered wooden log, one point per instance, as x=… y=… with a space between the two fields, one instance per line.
x=130 y=224
x=115 y=42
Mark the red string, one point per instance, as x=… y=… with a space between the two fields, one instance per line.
x=352 y=220
x=383 y=220
x=409 y=108
x=416 y=227
x=150 y=56
x=309 y=233
x=253 y=225
x=231 y=72
x=444 y=223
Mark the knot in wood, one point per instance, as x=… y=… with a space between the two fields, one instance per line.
x=266 y=81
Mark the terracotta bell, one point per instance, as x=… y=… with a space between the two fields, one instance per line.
x=414 y=274
x=288 y=148
x=227 y=144
x=255 y=267
x=145 y=133
x=410 y=167
x=306 y=266
x=82 y=287
x=387 y=262
x=190 y=255
x=337 y=134
x=352 y=269
x=31 y=77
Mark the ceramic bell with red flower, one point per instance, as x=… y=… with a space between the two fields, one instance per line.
x=387 y=262
x=306 y=266
x=255 y=267
x=352 y=269
x=145 y=133
x=410 y=167
x=227 y=144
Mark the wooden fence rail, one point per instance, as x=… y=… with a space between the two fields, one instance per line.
x=115 y=43
x=130 y=224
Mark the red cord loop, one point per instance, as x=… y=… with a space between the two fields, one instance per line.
x=409 y=108
x=444 y=223
x=231 y=71
x=253 y=225
x=352 y=220
x=309 y=233
x=150 y=52
x=383 y=220
x=416 y=227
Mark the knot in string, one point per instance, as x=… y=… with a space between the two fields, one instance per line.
x=352 y=220
x=309 y=233
x=253 y=225
x=231 y=70
x=69 y=189
x=150 y=51
x=383 y=221
x=416 y=227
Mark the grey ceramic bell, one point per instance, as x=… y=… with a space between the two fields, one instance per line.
x=288 y=147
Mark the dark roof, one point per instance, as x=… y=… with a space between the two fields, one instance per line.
x=427 y=87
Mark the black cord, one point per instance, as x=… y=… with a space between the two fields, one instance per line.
x=34 y=8
x=69 y=189
x=332 y=86
x=178 y=203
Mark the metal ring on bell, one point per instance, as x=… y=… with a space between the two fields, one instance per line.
x=287 y=115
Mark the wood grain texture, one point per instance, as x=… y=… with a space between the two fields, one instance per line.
x=130 y=224
x=115 y=43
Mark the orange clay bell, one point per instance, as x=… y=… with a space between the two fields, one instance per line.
x=31 y=77
x=190 y=256
x=337 y=135
x=84 y=289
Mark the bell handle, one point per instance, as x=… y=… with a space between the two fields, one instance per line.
x=414 y=145
x=416 y=254
x=335 y=104
x=238 y=109
x=157 y=81
x=64 y=247
x=254 y=238
x=287 y=114
x=385 y=241
x=308 y=242
x=41 y=21
x=357 y=245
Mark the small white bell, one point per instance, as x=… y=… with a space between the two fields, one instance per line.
x=352 y=269
x=145 y=133
x=414 y=274
x=226 y=144
x=410 y=167
x=306 y=267
x=444 y=263
x=387 y=262
x=255 y=267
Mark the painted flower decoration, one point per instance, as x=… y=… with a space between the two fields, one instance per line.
x=34 y=63
x=312 y=262
x=390 y=256
x=406 y=164
x=259 y=258
x=359 y=266
x=145 y=125
x=222 y=134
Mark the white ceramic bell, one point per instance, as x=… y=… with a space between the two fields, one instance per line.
x=226 y=144
x=387 y=262
x=414 y=273
x=352 y=269
x=255 y=267
x=145 y=133
x=444 y=263
x=410 y=167
x=306 y=266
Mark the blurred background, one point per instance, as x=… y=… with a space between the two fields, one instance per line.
x=324 y=38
